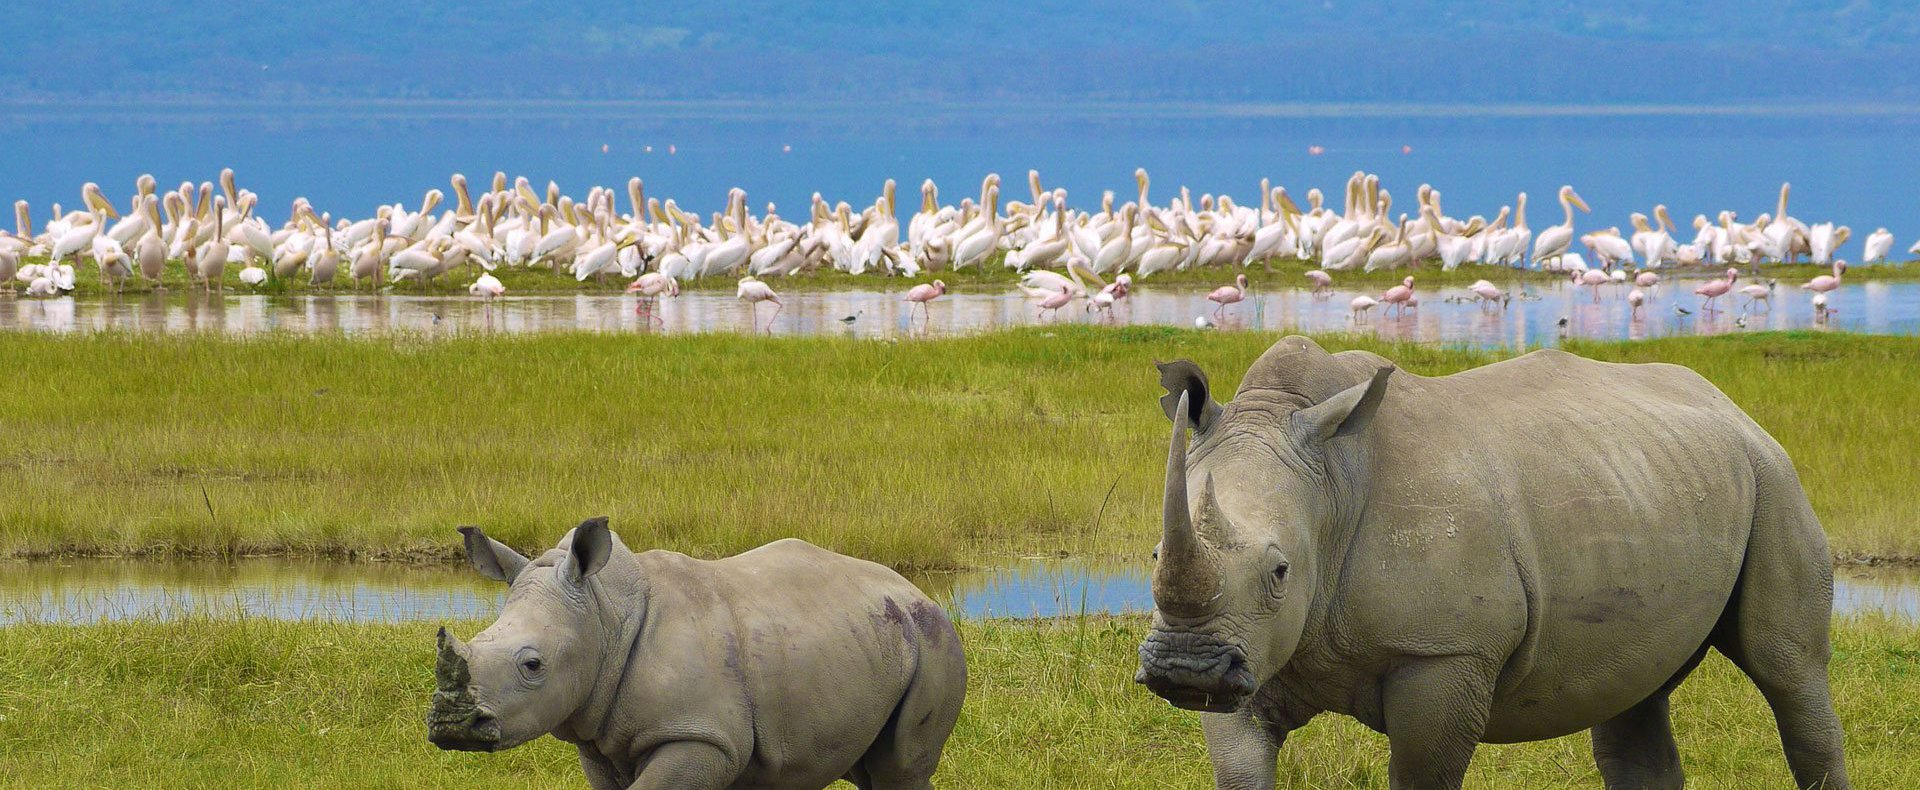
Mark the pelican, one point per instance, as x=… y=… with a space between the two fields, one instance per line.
x=1553 y=242
x=1878 y=244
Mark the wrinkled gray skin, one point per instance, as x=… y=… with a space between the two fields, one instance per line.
x=788 y=666
x=1512 y=553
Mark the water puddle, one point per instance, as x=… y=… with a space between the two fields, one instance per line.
x=87 y=591
x=1446 y=315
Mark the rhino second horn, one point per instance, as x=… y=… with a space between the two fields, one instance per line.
x=1185 y=580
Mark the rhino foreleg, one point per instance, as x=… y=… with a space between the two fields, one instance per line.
x=1435 y=711
x=601 y=773
x=686 y=765
x=1243 y=749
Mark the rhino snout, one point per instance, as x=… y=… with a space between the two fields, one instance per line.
x=463 y=728
x=1195 y=671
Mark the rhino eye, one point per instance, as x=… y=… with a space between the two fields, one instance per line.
x=1280 y=571
x=531 y=665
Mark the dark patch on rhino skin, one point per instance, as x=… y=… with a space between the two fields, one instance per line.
x=933 y=625
x=1195 y=671
x=893 y=612
x=1617 y=601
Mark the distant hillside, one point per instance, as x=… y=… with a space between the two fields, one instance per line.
x=1708 y=51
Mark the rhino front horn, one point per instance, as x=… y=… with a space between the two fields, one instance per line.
x=451 y=668
x=1185 y=579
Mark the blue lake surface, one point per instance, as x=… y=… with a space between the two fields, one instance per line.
x=1445 y=315
x=87 y=591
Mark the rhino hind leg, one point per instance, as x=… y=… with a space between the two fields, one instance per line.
x=1635 y=750
x=1775 y=629
x=907 y=751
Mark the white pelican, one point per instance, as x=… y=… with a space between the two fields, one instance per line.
x=1878 y=244
x=1553 y=242
x=1823 y=239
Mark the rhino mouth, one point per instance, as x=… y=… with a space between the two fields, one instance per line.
x=1195 y=671
x=463 y=728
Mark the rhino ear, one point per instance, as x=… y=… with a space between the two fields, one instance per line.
x=490 y=557
x=592 y=544
x=1182 y=377
x=1346 y=413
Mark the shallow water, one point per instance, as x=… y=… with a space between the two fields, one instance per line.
x=1446 y=315
x=87 y=591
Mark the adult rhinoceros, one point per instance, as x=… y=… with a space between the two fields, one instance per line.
x=788 y=666
x=1480 y=558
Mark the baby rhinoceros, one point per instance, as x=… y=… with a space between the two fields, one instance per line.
x=788 y=666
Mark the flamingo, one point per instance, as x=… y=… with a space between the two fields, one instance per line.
x=1399 y=295
x=1110 y=295
x=1228 y=294
x=1714 y=289
x=1758 y=293
x=1055 y=301
x=1593 y=279
x=650 y=286
x=1321 y=280
x=486 y=286
x=1361 y=305
x=1820 y=310
x=753 y=292
x=1486 y=292
x=1636 y=298
x=1647 y=280
x=1825 y=282
x=920 y=295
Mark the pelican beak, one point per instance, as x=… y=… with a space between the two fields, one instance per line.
x=1581 y=203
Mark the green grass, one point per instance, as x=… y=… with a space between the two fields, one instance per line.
x=1279 y=273
x=924 y=454
x=1050 y=705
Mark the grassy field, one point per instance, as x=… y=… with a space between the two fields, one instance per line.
x=927 y=454
x=1050 y=705
x=1282 y=273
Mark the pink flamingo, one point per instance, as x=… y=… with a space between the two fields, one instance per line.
x=1321 y=280
x=1758 y=293
x=920 y=295
x=1636 y=298
x=1825 y=283
x=1399 y=295
x=1714 y=289
x=1109 y=296
x=1646 y=280
x=753 y=292
x=1055 y=301
x=650 y=286
x=1486 y=292
x=1228 y=294
x=1593 y=279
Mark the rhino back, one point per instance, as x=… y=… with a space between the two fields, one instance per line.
x=798 y=654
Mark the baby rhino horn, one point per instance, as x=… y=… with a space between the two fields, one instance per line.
x=450 y=670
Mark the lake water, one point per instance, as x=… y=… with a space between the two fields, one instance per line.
x=1853 y=168
x=1445 y=315
x=86 y=591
